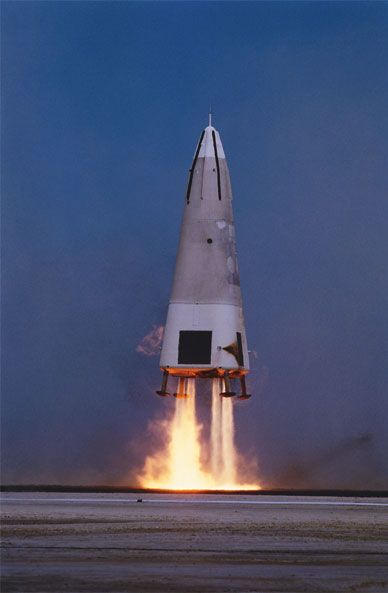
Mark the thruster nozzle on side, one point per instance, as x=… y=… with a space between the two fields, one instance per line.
x=204 y=334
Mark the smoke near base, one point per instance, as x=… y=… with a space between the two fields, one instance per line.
x=186 y=461
x=150 y=344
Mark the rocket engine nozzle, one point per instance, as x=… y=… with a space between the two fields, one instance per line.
x=181 y=393
x=225 y=375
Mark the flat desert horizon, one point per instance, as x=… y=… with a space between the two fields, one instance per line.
x=185 y=543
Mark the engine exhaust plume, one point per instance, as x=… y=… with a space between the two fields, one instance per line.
x=179 y=465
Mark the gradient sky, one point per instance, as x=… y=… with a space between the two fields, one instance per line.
x=102 y=106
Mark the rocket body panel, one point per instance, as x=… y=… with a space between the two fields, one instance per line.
x=224 y=322
x=205 y=324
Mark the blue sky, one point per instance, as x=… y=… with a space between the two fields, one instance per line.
x=102 y=105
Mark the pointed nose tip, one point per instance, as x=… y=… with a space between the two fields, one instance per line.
x=210 y=126
x=211 y=143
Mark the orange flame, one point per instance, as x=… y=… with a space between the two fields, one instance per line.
x=178 y=466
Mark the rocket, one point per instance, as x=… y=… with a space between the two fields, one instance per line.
x=204 y=335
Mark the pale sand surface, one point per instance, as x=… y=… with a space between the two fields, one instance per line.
x=193 y=543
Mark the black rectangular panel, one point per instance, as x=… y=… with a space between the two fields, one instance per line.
x=195 y=347
x=240 y=355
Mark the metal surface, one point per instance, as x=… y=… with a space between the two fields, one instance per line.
x=206 y=296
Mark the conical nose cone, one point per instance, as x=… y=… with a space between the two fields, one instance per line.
x=211 y=141
x=206 y=268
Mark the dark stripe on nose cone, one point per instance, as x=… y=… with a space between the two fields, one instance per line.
x=193 y=167
x=217 y=165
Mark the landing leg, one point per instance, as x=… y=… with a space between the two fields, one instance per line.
x=244 y=394
x=163 y=391
x=227 y=391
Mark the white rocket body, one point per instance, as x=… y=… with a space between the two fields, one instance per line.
x=205 y=334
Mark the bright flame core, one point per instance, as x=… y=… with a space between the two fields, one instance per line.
x=179 y=465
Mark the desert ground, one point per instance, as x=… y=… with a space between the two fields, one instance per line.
x=111 y=543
